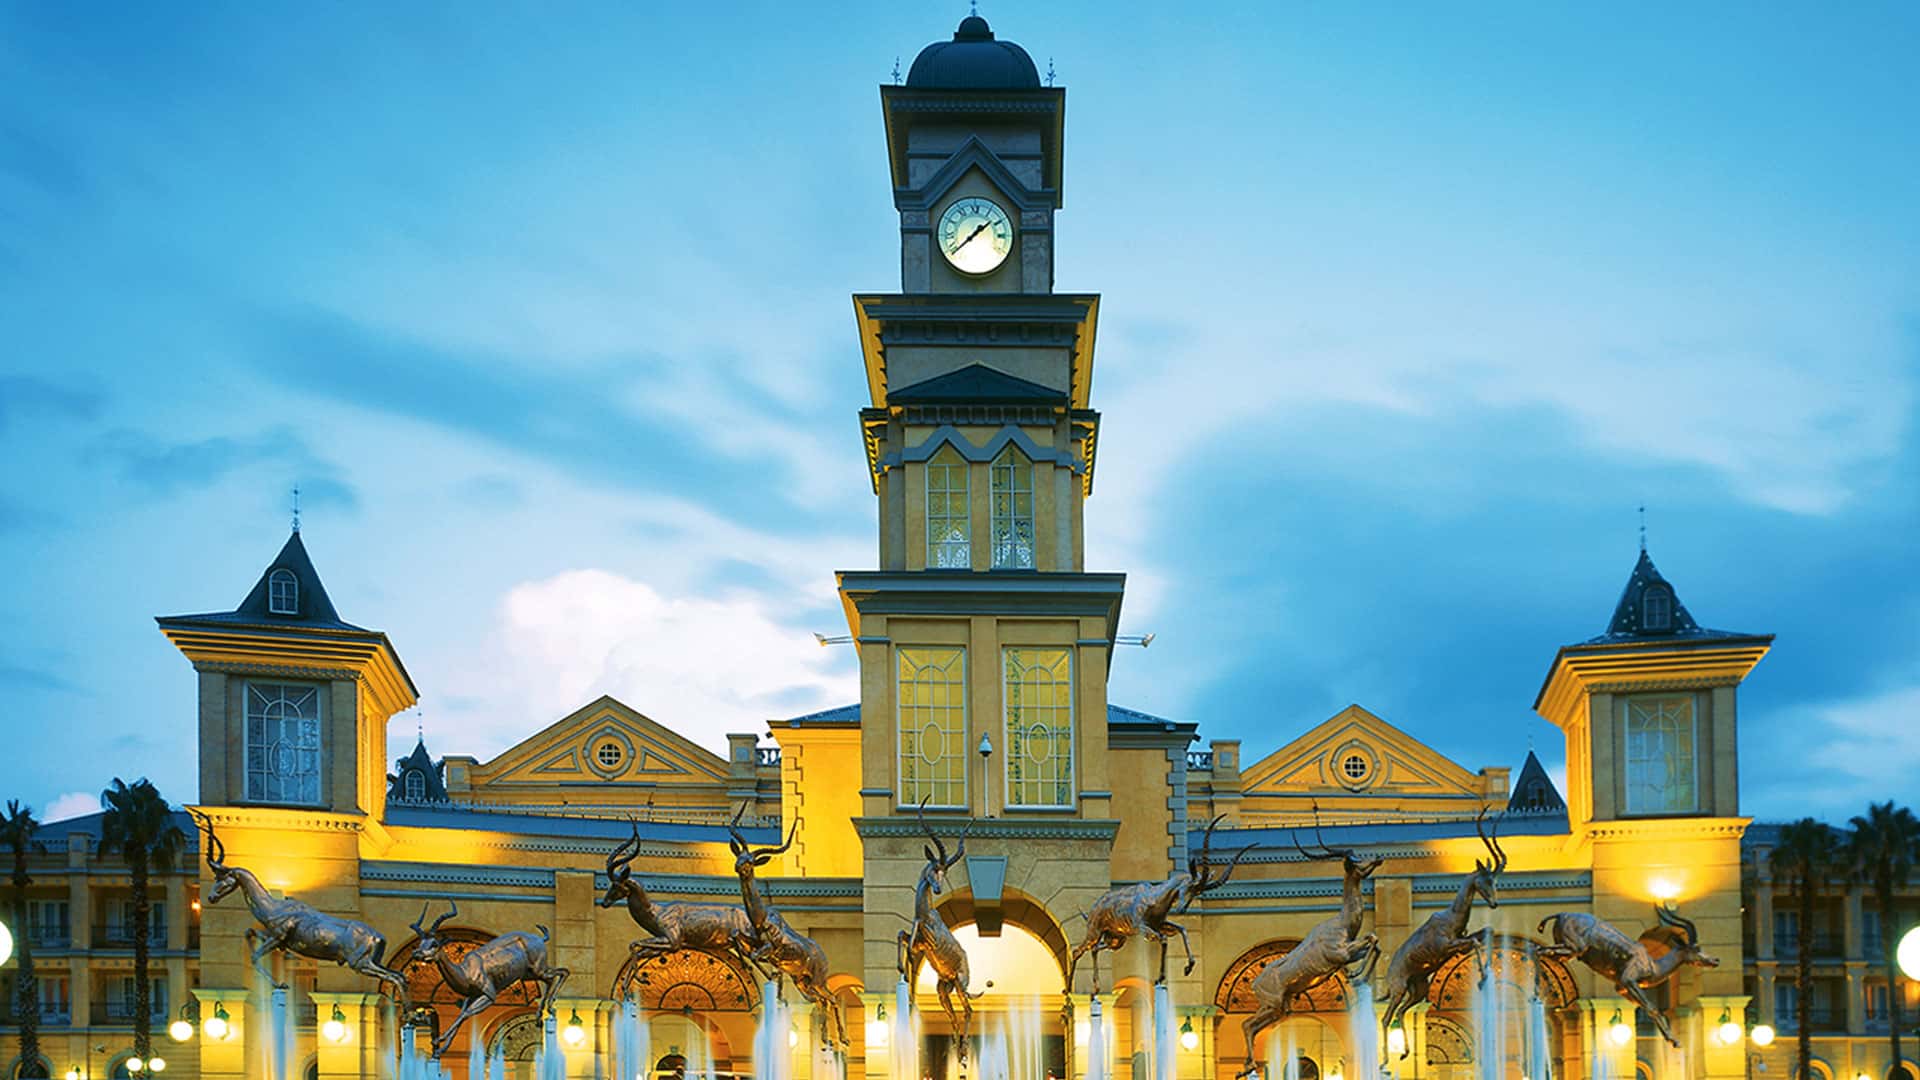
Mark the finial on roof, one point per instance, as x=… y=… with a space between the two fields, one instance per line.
x=296 y=508
x=420 y=726
x=896 y=71
x=973 y=7
x=1049 y=71
x=1643 y=529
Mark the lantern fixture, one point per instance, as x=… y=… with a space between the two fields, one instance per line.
x=216 y=1026
x=1396 y=1039
x=1619 y=1030
x=182 y=1027
x=156 y=1064
x=1762 y=1035
x=1189 y=1038
x=575 y=1033
x=877 y=1027
x=1730 y=1032
x=335 y=1029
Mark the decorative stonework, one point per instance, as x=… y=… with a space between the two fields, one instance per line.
x=686 y=978
x=1235 y=994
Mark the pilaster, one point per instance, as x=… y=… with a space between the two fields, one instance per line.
x=1600 y=1057
x=223 y=1059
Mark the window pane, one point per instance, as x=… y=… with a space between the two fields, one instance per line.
x=931 y=690
x=1012 y=526
x=1662 y=774
x=283 y=743
x=1039 y=726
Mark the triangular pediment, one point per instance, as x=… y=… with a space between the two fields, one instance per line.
x=605 y=742
x=1356 y=752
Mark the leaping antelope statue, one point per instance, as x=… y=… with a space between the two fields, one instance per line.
x=929 y=939
x=1330 y=947
x=292 y=926
x=483 y=974
x=1627 y=963
x=788 y=951
x=721 y=930
x=1444 y=935
x=1144 y=910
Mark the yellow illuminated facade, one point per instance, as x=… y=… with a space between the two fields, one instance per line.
x=984 y=646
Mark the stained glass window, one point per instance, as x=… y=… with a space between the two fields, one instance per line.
x=283 y=743
x=1012 y=511
x=932 y=697
x=1039 y=703
x=1662 y=770
x=948 y=536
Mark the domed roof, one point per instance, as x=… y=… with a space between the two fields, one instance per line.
x=973 y=60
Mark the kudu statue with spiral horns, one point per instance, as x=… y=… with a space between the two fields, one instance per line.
x=486 y=972
x=1444 y=935
x=296 y=927
x=790 y=952
x=721 y=930
x=1626 y=962
x=1145 y=910
x=929 y=939
x=1328 y=948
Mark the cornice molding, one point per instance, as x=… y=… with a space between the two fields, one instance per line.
x=282 y=818
x=1669 y=829
x=997 y=828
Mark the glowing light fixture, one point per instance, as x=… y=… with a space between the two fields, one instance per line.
x=1664 y=890
x=575 y=1033
x=1619 y=1030
x=181 y=1029
x=1729 y=1031
x=793 y=1037
x=1396 y=1039
x=335 y=1029
x=1908 y=953
x=1762 y=1035
x=73 y=1072
x=1189 y=1038
x=157 y=1064
x=1338 y=1072
x=216 y=1026
x=877 y=1027
x=134 y=1065
x=6 y=943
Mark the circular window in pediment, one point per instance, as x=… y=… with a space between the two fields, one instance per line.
x=1354 y=766
x=609 y=753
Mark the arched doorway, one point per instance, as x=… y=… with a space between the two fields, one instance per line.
x=436 y=1005
x=1313 y=1030
x=1019 y=1019
x=1530 y=993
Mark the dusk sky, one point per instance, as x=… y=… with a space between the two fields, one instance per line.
x=545 y=310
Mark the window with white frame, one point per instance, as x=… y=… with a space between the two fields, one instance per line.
x=1663 y=769
x=283 y=593
x=1656 y=609
x=1786 y=1004
x=1786 y=931
x=416 y=786
x=283 y=743
x=1039 y=705
x=1012 y=535
x=931 y=689
x=56 y=998
x=49 y=922
x=949 y=536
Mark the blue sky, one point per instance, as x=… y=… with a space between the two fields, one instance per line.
x=545 y=311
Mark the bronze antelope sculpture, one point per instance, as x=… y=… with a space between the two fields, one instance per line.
x=296 y=927
x=1614 y=956
x=482 y=975
x=715 y=929
x=1144 y=910
x=932 y=941
x=1444 y=935
x=789 y=952
x=1331 y=946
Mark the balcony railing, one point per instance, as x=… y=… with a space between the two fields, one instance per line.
x=766 y=756
x=49 y=1017
x=1199 y=761
x=120 y=935
x=122 y=1012
x=49 y=937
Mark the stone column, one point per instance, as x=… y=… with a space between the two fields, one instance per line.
x=1197 y=1063
x=1599 y=1056
x=353 y=1057
x=223 y=1059
x=1719 y=1059
x=581 y=1057
x=1857 y=997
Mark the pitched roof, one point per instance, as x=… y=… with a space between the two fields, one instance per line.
x=312 y=607
x=975 y=382
x=1533 y=792
x=1629 y=615
x=431 y=771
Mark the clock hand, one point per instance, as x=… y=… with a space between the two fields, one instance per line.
x=977 y=229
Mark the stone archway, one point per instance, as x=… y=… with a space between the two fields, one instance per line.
x=687 y=979
x=1018 y=909
x=1313 y=1029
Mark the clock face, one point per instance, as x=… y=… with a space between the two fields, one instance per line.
x=975 y=235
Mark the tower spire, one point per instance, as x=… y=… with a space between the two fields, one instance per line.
x=1643 y=529
x=296 y=508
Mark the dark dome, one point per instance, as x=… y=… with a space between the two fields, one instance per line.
x=973 y=60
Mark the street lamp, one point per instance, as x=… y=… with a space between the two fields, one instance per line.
x=156 y=1064
x=1762 y=1035
x=1908 y=954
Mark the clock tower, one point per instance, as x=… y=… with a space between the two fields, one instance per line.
x=984 y=643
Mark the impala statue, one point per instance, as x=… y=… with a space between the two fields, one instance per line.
x=721 y=930
x=788 y=951
x=1444 y=935
x=1142 y=910
x=932 y=941
x=483 y=974
x=1330 y=947
x=295 y=927
x=1632 y=969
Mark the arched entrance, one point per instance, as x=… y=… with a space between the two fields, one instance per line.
x=1314 y=1031
x=1529 y=994
x=1019 y=1019
x=436 y=1005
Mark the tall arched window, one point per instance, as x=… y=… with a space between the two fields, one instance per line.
x=283 y=593
x=1663 y=774
x=1656 y=609
x=949 y=539
x=1039 y=704
x=416 y=786
x=1012 y=534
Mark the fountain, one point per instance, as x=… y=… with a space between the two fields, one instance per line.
x=1363 y=1031
x=632 y=1043
x=771 y=1042
x=1164 y=1044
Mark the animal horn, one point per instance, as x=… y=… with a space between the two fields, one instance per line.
x=1197 y=865
x=216 y=851
x=940 y=849
x=1669 y=917
x=452 y=910
x=417 y=928
x=737 y=842
x=960 y=852
x=1480 y=826
x=1499 y=853
x=619 y=860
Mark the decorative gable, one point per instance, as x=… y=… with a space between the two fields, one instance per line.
x=605 y=741
x=1357 y=753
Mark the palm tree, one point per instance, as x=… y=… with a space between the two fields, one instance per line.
x=139 y=824
x=16 y=832
x=1883 y=848
x=1806 y=856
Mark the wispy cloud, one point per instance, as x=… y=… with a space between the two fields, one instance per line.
x=23 y=397
x=14 y=677
x=73 y=804
x=161 y=468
